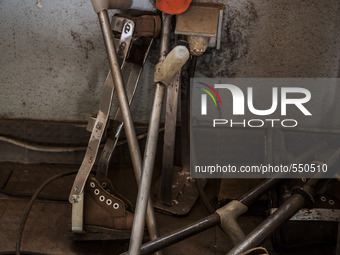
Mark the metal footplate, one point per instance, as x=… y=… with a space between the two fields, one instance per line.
x=131 y=71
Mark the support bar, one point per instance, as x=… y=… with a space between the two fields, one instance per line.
x=285 y=211
x=126 y=114
x=215 y=219
x=180 y=234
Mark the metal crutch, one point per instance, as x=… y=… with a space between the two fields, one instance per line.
x=101 y=7
x=164 y=73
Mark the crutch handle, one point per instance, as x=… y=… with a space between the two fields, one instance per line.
x=165 y=70
x=100 y=5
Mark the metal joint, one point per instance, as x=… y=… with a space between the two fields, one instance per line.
x=306 y=193
x=229 y=214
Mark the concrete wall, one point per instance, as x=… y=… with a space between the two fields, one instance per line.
x=53 y=63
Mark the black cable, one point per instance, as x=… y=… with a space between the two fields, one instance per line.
x=7 y=180
x=29 y=207
x=23 y=253
x=29 y=195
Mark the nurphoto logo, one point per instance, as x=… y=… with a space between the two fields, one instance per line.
x=301 y=97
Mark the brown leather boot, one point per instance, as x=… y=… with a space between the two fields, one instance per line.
x=108 y=186
x=102 y=209
x=256 y=251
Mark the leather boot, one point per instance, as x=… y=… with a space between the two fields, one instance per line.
x=103 y=208
x=256 y=251
x=108 y=186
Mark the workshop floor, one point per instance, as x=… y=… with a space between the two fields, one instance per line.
x=48 y=226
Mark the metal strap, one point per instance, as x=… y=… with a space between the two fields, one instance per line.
x=101 y=120
x=131 y=74
x=169 y=139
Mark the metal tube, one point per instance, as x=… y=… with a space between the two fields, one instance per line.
x=253 y=194
x=214 y=219
x=150 y=149
x=165 y=36
x=149 y=159
x=286 y=211
x=126 y=114
x=180 y=234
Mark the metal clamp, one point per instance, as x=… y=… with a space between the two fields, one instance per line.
x=229 y=214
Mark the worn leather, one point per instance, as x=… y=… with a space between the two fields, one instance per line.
x=108 y=186
x=145 y=25
x=103 y=209
x=256 y=251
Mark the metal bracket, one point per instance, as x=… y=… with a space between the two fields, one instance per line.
x=98 y=129
x=202 y=21
x=131 y=73
x=100 y=123
x=229 y=214
x=317 y=214
x=77 y=215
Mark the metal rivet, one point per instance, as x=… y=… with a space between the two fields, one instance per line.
x=101 y=198
x=115 y=205
x=323 y=199
x=331 y=202
x=109 y=202
x=96 y=192
x=92 y=185
x=104 y=184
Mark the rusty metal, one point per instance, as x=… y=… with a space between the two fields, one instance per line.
x=183 y=190
x=215 y=219
x=180 y=234
x=164 y=73
x=202 y=24
x=183 y=193
x=126 y=114
x=169 y=139
x=291 y=206
x=251 y=196
x=229 y=215
x=199 y=20
x=131 y=72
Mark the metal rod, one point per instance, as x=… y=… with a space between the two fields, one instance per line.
x=165 y=36
x=249 y=197
x=214 y=219
x=149 y=159
x=180 y=234
x=150 y=149
x=285 y=211
x=126 y=114
x=169 y=140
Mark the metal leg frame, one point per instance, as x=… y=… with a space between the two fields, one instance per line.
x=165 y=71
x=232 y=210
x=126 y=114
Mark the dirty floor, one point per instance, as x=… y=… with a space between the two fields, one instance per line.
x=48 y=226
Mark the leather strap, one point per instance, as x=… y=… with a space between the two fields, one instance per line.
x=145 y=25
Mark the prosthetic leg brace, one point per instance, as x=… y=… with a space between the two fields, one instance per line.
x=101 y=8
x=231 y=211
x=198 y=25
x=164 y=73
